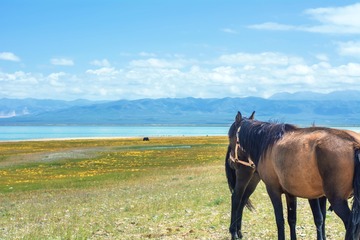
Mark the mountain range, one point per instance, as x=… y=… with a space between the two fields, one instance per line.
x=301 y=108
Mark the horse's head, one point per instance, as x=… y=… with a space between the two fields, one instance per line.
x=237 y=154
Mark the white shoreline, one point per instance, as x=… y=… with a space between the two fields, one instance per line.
x=103 y=138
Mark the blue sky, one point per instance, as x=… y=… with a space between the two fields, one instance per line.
x=109 y=50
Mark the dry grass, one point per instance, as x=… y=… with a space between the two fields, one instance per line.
x=168 y=188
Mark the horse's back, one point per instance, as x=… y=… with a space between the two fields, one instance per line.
x=304 y=162
x=355 y=135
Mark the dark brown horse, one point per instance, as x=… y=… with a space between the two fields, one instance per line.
x=243 y=179
x=305 y=162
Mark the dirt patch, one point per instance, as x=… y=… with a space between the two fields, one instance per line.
x=81 y=153
x=50 y=156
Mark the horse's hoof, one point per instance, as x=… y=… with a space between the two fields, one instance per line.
x=236 y=236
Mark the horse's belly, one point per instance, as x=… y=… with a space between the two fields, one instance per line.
x=295 y=180
x=299 y=174
x=302 y=186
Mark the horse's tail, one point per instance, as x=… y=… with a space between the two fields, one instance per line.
x=354 y=220
x=230 y=172
x=231 y=178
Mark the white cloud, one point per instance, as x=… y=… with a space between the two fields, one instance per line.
x=101 y=63
x=224 y=74
x=335 y=20
x=54 y=79
x=272 y=26
x=265 y=58
x=105 y=71
x=347 y=16
x=229 y=30
x=57 y=75
x=18 y=77
x=348 y=71
x=9 y=56
x=300 y=69
x=322 y=57
x=231 y=75
x=147 y=54
x=350 y=48
x=156 y=63
x=62 y=62
x=103 y=91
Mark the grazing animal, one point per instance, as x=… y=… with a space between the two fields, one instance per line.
x=243 y=179
x=146 y=139
x=305 y=162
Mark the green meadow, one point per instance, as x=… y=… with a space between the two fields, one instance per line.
x=167 y=188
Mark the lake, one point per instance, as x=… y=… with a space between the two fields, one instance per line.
x=59 y=132
x=9 y=133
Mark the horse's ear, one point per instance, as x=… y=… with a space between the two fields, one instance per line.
x=238 y=117
x=252 y=116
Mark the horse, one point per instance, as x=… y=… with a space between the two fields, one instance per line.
x=308 y=162
x=243 y=179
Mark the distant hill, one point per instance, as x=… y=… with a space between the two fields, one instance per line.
x=31 y=106
x=306 y=95
x=304 y=108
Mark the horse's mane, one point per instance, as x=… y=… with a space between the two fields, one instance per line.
x=232 y=130
x=234 y=127
x=256 y=136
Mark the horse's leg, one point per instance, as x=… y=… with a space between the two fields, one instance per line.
x=235 y=203
x=243 y=176
x=291 y=209
x=275 y=198
x=318 y=206
x=318 y=218
x=341 y=208
x=322 y=202
x=248 y=191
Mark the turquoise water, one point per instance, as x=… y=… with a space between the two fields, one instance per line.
x=56 y=132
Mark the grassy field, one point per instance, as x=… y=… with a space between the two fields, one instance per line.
x=167 y=188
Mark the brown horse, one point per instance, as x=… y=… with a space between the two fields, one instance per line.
x=306 y=162
x=243 y=179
